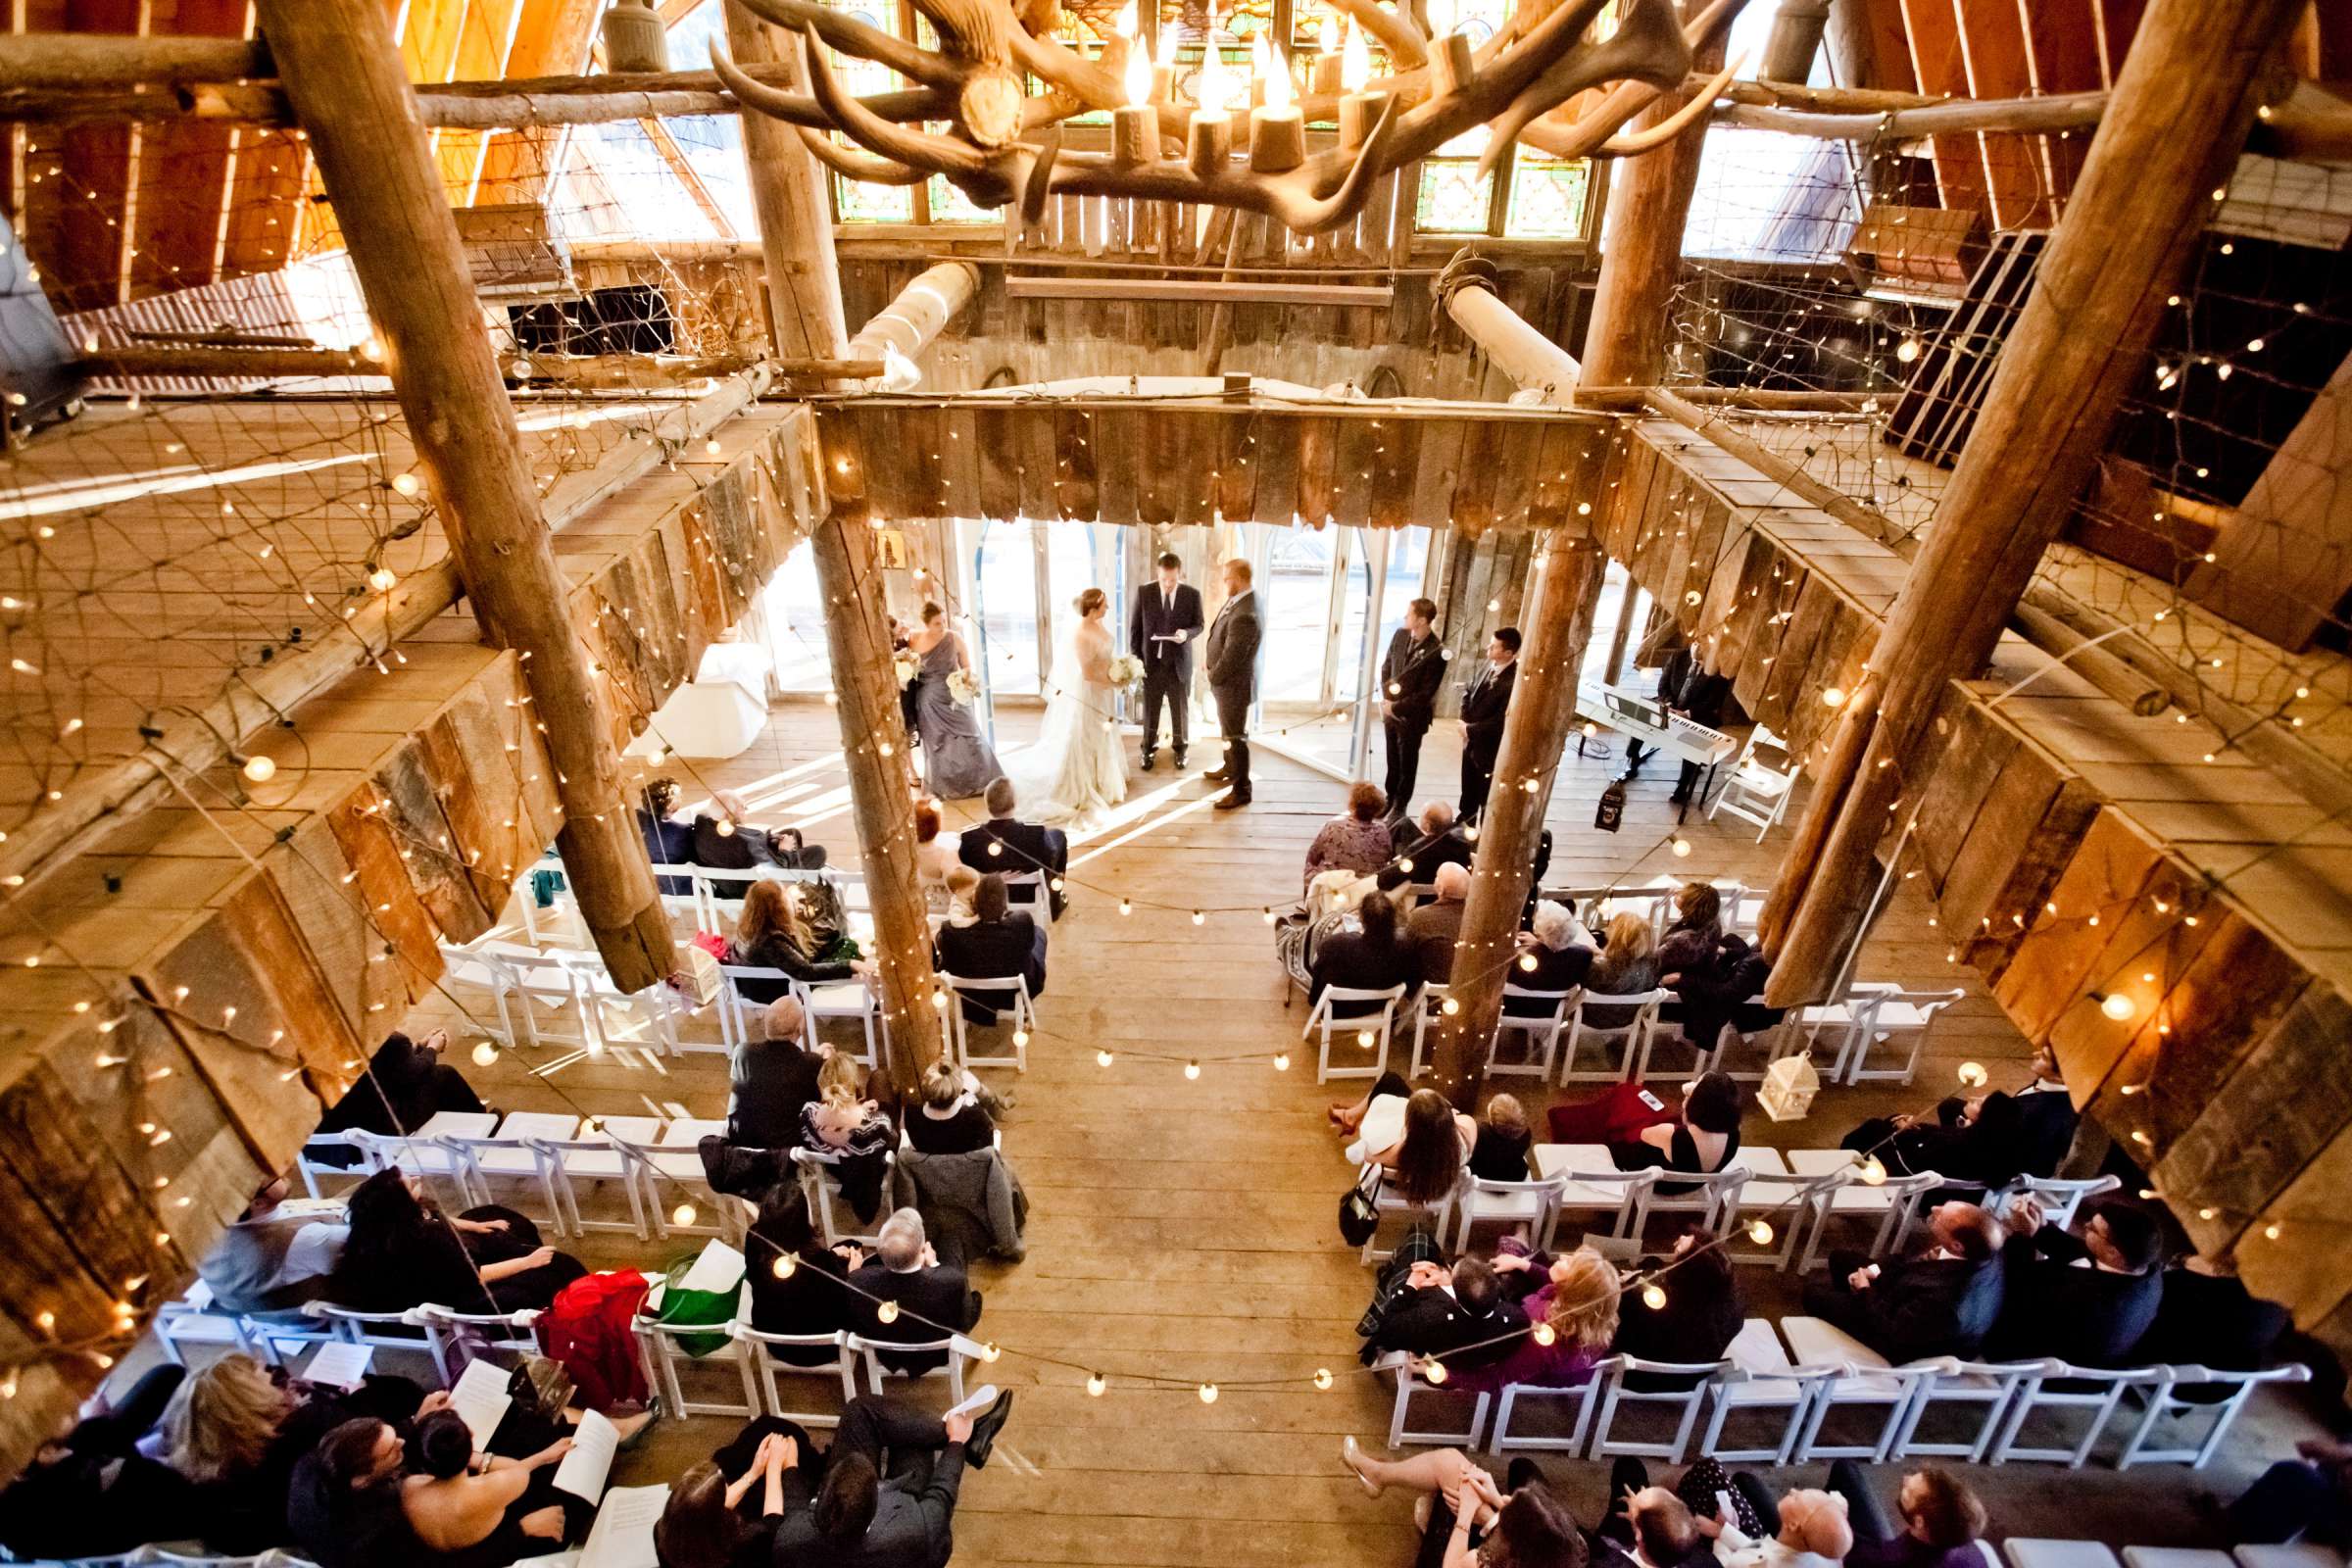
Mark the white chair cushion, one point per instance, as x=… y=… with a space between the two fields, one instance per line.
x=2029 y=1552
x=2174 y=1558
x=1815 y=1342
x=1756 y=1348
x=2295 y=1556
x=1506 y=1206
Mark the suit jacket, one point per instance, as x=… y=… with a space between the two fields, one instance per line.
x=1930 y=1307
x=1028 y=847
x=1232 y=648
x=2045 y=1130
x=1427 y=852
x=1427 y=1320
x=1434 y=928
x=1410 y=675
x=1483 y=702
x=1347 y=960
x=1701 y=696
x=1674 y=672
x=2055 y=1302
x=913 y=1515
x=942 y=1294
x=993 y=950
x=769 y=1081
x=1157 y=615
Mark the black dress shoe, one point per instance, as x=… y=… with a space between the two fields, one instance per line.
x=1179 y=758
x=1231 y=802
x=1148 y=765
x=1522 y=1471
x=984 y=1426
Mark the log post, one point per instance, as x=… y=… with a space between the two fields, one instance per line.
x=1510 y=343
x=1534 y=733
x=873 y=750
x=795 y=210
x=342 y=72
x=796 y=238
x=1649 y=201
x=2177 y=120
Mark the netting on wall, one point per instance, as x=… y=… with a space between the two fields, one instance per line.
x=164 y=538
x=1894 y=272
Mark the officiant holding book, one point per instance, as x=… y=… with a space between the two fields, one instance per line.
x=1167 y=618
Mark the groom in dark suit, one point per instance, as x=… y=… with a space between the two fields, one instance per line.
x=1167 y=618
x=1483 y=704
x=1232 y=679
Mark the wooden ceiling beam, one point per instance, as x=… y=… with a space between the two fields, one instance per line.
x=1992 y=46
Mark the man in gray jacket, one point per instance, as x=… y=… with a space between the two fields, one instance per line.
x=1233 y=679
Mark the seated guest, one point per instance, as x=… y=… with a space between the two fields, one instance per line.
x=1810 y=1530
x=406 y=1084
x=1415 y=1136
x=668 y=841
x=2045 y=1119
x=1701 y=1136
x=770 y=1081
x=1715 y=988
x=1655 y=1529
x=2307 y=1498
x=1499 y=1153
x=1941 y=1301
x=1941 y=1520
x=1357 y=839
x=2206 y=1317
x=1459 y=1316
x=848 y=1126
x=1972 y=1140
x=861 y=1517
x=1555 y=954
x=1371 y=956
x=1005 y=843
x=268 y=1261
x=963 y=886
x=1698 y=924
x=1438 y=842
x=949 y=1119
x=725 y=1512
x=809 y=1296
x=730 y=841
x=1701 y=1315
x=90 y=1492
x=2087 y=1298
x=496 y=1516
x=236 y=1432
x=343 y=1504
x=1521 y=1524
x=404 y=1252
x=1578 y=1300
x=931 y=1300
x=1624 y=967
x=933 y=855
x=1002 y=942
x=773 y=933
x=1436 y=926
x=1712 y=1498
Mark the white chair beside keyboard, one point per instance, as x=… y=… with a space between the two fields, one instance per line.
x=1371 y=1031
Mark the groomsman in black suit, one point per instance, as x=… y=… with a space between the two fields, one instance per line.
x=1167 y=618
x=1483 y=702
x=1409 y=678
x=1233 y=679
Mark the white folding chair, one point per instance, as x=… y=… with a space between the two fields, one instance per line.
x=1401 y=1366
x=194 y=1319
x=1702 y=1378
x=1541 y=1029
x=672 y=1162
x=1866 y=1381
x=1785 y=1205
x=1439 y=1214
x=397 y=1331
x=823 y=1192
x=1893 y=1202
x=2029 y=1552
x=1761 y=1376
x=2162 y=1400
x=1507 y=1203
x=1846 y=1021
x=961 y=1352
x=547 y=993
x=2299 y=1554
x=1026 y=891
x=689 y=902
x=312 y=1166
x=1711 y=1201
x=1631 y=1036
x=2176 y=1558
x=481 y=965
x=443 y=1327
x=1007 y=997
x=1986 y=1385
x=592 y=1159
x=1592 y=1184
x=1428 y=1006
x=2061 y=1198
x=1523 y=1399
x=2057 y=1385
x=853 y=1000
x=423 y=1153
x=1909 y=1013
x=1371 y=1030
x=664 y=1353
x=1757 y=790
x=509 y=1156
x=841 y=1366
x=741 y=1019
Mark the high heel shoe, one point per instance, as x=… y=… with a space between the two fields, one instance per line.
x=1350 y=1454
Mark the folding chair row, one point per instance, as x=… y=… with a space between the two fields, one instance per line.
x=741 y=1021
x=1871 y=1014
x=564 y=996
x=760 y=1360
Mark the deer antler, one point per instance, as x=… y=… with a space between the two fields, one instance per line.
x=857 y=165
x=852 y=37
x=1647 y=47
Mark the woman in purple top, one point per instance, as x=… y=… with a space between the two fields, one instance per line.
x=1357 y=840
x=1575 y=1309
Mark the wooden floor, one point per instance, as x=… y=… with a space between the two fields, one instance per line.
x=1184 y=1228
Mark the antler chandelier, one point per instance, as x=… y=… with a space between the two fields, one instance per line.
x=1003 y=143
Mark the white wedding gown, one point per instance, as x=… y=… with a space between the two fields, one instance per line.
x=1077 y=766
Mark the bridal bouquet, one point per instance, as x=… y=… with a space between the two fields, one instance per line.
x=961 y=686
x=907 y=666
x=1126 y=670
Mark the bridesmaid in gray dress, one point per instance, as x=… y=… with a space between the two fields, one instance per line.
x=956 y=760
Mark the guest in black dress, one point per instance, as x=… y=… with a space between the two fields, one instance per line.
x=809 y=1296
x=949 y=1119
x=1503 y=1140
x=405 y=1085
x=1373 y=956
x=1702 y=1140
x=404 y=1252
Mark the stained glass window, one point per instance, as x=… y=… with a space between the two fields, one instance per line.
x=951 y=205
x=1547 y=197
x=1455 y=199
x=859 y=201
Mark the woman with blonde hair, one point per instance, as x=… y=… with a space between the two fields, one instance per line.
x=1627 y=966
x=851 y=1132
x=237 y=1432
x=773 y=933
x=1575 y=1317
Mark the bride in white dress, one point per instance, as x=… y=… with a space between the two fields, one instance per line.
x=1077 y=765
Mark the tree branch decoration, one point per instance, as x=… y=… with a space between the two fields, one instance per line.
x=1002 y=145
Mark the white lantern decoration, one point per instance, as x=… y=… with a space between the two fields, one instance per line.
x=1789 y=1085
